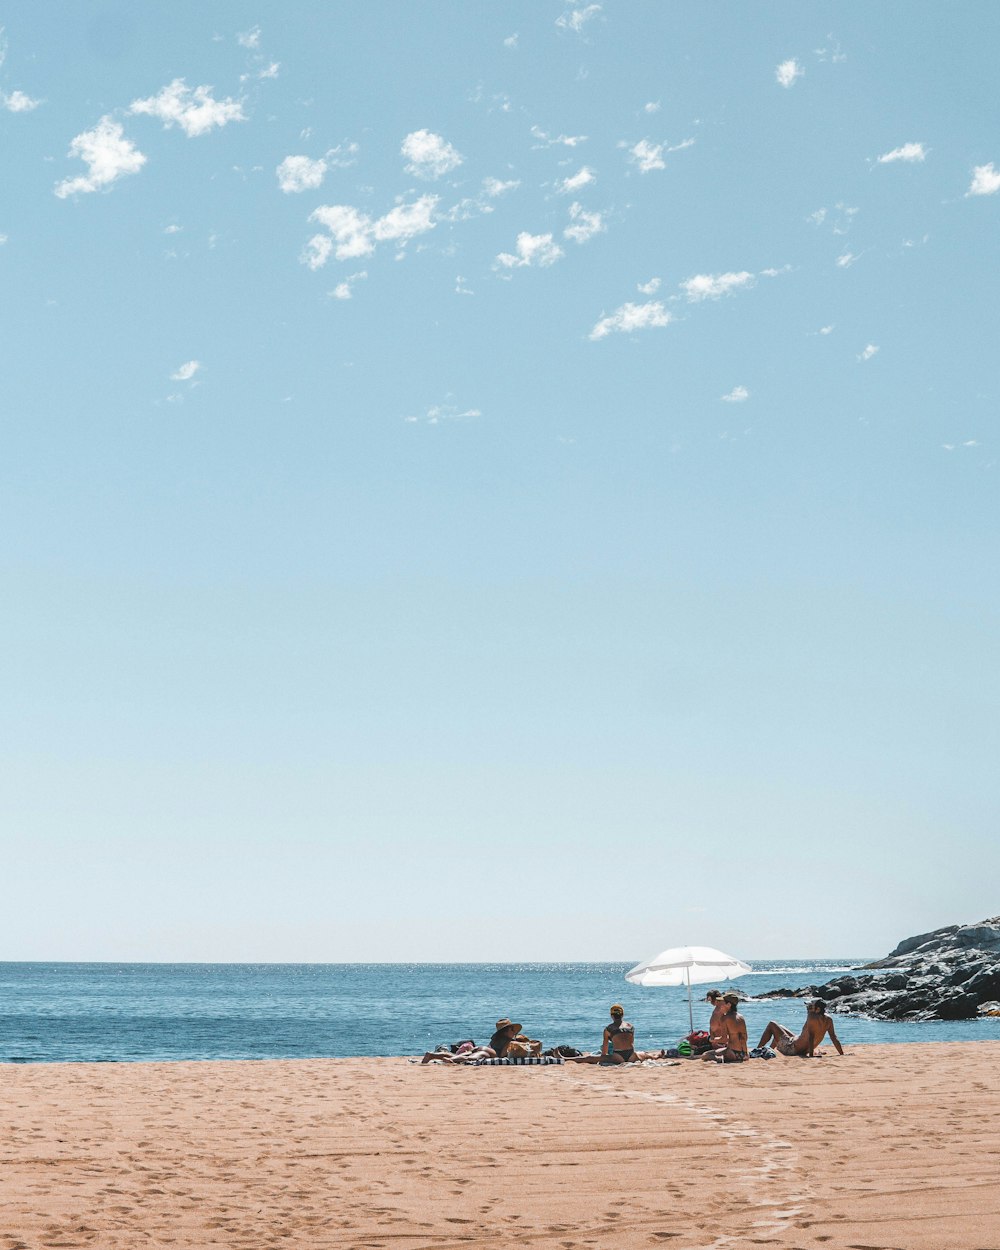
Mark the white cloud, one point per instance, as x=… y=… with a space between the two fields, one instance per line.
x=172 y=229
x=317 y=251
x=648 y=288
x=429 y=155
x=531 y=249
x=648 y=156
x=714 y=285
x=684 y=143
x=632 y=317
x=345 y=289
x=585 y=225
x=249 y=38
x=576 y=19
x=3 y=239
x=270 y=71
x=775 y=273
x=581 y=178
x=549 y=141
x=494 y=186
x=18 y=102
x=186 y=372
x=985 y=180
x=356 y=234
x=196 y=112
x=870 y=351
x=511 y=41
x=846 y=260
x=108 y=156
x=651 y=106
x=909 y=152
x=788 y=71
x=738 y=395
x=300 y=173
x=444 y=412
x=826 y=329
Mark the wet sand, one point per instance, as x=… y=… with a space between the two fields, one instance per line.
x=890 y=1147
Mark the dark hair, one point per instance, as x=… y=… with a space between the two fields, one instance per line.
x=819 y=1006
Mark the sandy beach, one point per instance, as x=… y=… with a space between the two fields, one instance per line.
x=889 y=1147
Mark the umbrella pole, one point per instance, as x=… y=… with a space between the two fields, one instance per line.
x=690 y=1010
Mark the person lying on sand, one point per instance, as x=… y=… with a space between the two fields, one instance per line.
x=465 y=1052
x=618 y=1043
x=817 y=1026
x=730 y=1046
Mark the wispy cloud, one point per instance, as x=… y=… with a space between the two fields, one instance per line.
x=845 y=260
x=583 y=225
x=495 y=186
x=715 y=285
x=249 y=38
x=185 y=372
x=648 y=288
x=738 y=395
x=911 y=153
x=300 y=173
x=550 y=141
x=531 y=249
x=576 y=19
x=985 y=180
x=631 y=317
x=429 y=155
x=17 y=102
x=108 y=156
x=345 y=289
x=651 y=106
x=870 y=351
x=444 y=412
x=575 y=182
x=355 y=234
x=787 y=72
x=511 y=40
x=195 y=111
x=647 y=156
x=826 y=329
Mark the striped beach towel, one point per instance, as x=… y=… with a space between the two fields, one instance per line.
x=528 y=1061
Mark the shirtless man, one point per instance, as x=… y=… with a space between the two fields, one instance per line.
x=731 y=1046
x=817 y=1026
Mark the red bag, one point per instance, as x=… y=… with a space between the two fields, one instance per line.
x=700 y=1041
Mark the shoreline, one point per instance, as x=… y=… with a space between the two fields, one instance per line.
x=890 y=1146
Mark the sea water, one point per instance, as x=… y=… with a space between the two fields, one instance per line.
x=61 y=1012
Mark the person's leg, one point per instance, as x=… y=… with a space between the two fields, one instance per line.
x=773 y=1034
x=439 y=1055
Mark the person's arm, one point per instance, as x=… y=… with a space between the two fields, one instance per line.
x=606 y=1042
x=833 y=1037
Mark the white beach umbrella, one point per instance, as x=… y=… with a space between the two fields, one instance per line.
x=687 y=965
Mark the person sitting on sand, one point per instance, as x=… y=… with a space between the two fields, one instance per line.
x=731 y=1045
x=817 y=1026
x=504 y=1034
x=716 y=1029
x=618 y=1043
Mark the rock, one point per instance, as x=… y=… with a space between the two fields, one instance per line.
x=952 y=973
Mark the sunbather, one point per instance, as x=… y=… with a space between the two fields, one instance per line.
x=817 y=1026
x=730 y=1045
x=618 y=1043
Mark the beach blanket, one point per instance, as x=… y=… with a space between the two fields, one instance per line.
x=528 y=1061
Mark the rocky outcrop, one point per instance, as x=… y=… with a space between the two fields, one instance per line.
x=950 y=974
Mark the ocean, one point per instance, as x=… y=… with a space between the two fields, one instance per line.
x=67 y=1012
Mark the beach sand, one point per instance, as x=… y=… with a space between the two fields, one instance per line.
x=891 y=1146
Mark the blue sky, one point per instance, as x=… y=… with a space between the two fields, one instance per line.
x=497 y=481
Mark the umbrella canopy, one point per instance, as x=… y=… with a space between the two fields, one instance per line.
x=687 y=965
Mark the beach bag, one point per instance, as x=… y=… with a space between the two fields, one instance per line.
x=523 y=1048
x=699 y=1042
